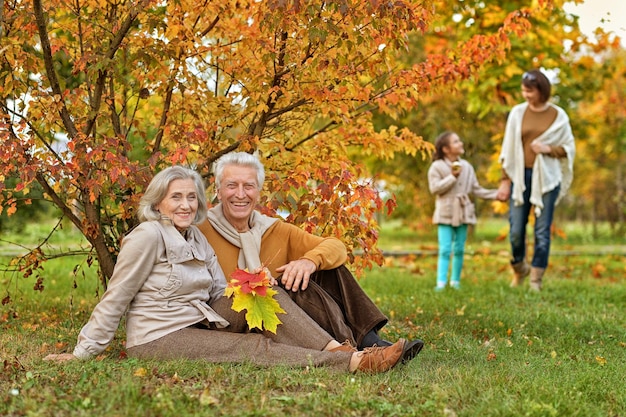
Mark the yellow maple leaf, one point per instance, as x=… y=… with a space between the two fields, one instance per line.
x=253 y=293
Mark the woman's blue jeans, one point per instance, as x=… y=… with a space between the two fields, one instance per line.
x=451 y=242
x=518 y=220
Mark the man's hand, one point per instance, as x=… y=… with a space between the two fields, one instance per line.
x=268 y=274
x=296 y=274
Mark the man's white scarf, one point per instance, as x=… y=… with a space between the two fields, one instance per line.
x=249 y=243
x=548 y=172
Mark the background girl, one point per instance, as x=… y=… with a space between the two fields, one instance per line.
x=452 y=179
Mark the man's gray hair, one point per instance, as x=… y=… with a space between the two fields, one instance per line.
x=157 y=191
x=240 y=159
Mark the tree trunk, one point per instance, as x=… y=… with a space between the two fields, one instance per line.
x=96 y=236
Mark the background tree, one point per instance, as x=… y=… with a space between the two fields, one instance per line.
x=601 y=118
x=477 y=106
x=132 y=86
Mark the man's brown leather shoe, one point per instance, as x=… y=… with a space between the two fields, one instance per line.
x=381 y=359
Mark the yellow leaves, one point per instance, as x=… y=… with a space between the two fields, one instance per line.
x=140 y=372
x=261 y=311
x=461 y=311
x=253 y=293
x=206 y=399
x=601 y=360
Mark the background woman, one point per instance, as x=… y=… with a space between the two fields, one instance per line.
x=537 y=159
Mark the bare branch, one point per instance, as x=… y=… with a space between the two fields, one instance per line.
x=49 y=65
x=164 y=114
x=110 y=53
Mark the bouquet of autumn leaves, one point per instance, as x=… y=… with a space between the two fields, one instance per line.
x=252 y=292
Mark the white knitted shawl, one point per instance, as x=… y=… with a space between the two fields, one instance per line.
x=548 y=172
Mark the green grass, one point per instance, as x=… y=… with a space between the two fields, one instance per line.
x=491 y=234
x=490 y=350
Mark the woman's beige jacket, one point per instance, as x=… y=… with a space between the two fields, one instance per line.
x=162 y=281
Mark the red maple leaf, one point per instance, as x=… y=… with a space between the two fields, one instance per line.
x=250 y=283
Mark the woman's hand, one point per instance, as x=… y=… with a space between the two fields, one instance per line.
x=504 y=190
x=60 y=357
x=539 y=147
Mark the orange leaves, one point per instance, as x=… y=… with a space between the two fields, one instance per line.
x=597 y=270
x=248 y=283
x=298 y=82
x=600 y=360
x=253 y=293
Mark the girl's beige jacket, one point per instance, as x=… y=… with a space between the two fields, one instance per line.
x=453 y=205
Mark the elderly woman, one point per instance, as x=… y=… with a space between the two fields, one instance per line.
x=169 y=283
x=537 y=160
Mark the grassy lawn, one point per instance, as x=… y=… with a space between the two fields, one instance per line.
x=490 y=350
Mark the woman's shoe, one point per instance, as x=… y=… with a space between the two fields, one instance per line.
x=381 y=359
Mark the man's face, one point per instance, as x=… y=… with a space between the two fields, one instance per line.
x=239 y=194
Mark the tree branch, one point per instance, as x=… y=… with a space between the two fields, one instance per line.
x=164 y=114
x=49 y=66
x=110 y=53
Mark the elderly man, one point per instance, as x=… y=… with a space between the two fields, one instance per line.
x=309 y=267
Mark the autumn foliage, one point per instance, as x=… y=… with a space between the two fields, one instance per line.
x=97 y=96
x=252 y=292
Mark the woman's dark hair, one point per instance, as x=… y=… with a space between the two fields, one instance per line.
x=442 y=141
x=537 y=79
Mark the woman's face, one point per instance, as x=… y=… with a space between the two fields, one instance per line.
x=239 y=194
x=531 y=95
x=180 y=203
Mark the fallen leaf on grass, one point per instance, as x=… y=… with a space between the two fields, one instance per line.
x=207 y=399
x=597 y=270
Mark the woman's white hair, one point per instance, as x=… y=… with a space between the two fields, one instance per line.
x=157 y=190
x=240 y=159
